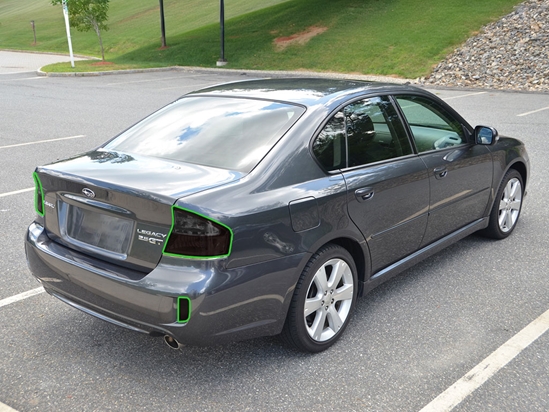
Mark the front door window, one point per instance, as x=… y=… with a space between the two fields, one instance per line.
x=433 y=128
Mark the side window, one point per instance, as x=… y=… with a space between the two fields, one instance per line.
x=363 y=132
x=329 y=147
x=374 y=132
x=433 y=128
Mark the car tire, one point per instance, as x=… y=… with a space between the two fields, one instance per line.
x=323 y=300
x=507 y=206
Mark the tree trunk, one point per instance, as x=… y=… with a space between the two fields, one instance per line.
x=98 y=32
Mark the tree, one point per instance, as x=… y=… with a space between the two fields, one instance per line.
x=88 y=14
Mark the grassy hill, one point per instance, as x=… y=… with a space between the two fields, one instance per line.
x=389 y=37
x=132 y=23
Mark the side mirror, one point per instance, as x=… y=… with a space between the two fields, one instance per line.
x=486 y=135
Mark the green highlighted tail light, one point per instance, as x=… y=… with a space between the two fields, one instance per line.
x=38 y=195
x=183 y=309
x=195 y=236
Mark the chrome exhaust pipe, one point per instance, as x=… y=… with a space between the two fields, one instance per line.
x=172 y=343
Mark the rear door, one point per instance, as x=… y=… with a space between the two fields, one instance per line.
x=387 y=185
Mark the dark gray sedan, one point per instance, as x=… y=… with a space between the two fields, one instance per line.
x=267 y=207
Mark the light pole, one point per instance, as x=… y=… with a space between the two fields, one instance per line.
x=162 y=26
x=222 y=61
x=67 y=26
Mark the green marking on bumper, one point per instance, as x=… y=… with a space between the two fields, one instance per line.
x=183 y=309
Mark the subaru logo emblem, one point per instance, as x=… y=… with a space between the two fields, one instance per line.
x=88 y=193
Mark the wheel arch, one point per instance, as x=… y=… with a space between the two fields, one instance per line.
x=520 y=164
x=521 y=168
x=360 y=256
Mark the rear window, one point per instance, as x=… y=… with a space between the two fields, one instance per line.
x=228 y=133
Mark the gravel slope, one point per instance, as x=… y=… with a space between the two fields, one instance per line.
x=512 y=54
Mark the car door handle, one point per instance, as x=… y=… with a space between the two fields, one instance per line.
x=441 y=172
x=364 y=194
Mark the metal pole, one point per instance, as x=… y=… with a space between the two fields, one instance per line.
x=33 y=31
x=66 y=14
x=222 y=61
x=162 y=26
x=222 y=22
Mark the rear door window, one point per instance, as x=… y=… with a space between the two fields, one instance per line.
x=363 y=132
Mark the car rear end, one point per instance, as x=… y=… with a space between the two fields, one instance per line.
x=97 y=244
x=113 y=238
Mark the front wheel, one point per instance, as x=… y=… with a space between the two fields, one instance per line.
x=323 y=300
x=507 y=206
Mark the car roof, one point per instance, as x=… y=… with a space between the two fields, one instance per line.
x=303 y=91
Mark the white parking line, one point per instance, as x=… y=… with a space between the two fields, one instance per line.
x=464 y=95
x=6 y=408
x=195 y=86
x=456 y=393
x=145 y=81
x=21 y=296
x=32 y=71
x=16 y=192
x=42 y=141
x=533 y=111
x=25 y=78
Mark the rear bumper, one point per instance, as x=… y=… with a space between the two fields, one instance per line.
x=226 y=304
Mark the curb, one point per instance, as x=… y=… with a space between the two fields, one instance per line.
x=39 y=72
x=262 y=73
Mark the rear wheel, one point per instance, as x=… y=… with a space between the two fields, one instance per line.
x=507 y=206
x=323 y=300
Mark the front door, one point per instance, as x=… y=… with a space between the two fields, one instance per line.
x=460 y=172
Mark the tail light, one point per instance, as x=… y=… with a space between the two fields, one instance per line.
x=38 y=195
x=195 y=236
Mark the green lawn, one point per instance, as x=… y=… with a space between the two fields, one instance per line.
x=404 y=38
x=132 y=23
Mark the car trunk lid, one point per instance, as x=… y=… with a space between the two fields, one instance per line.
x=117 y=207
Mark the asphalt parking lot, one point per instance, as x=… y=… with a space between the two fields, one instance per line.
x=410 y=340
x=12 y=62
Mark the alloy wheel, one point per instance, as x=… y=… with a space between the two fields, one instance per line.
x=329 y=300
x=509 y=205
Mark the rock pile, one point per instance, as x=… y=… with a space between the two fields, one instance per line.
x=512 y=53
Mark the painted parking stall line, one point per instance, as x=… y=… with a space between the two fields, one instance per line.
x=42 y=141
x=16 y=192
x=533 y=111
x=24 y=78
x=198 y=85
x=21 y=296
x=452 y=97
x=6 y=408
x=31 y=71
x=464 y=95
x=145 y=81
x=476 y=377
